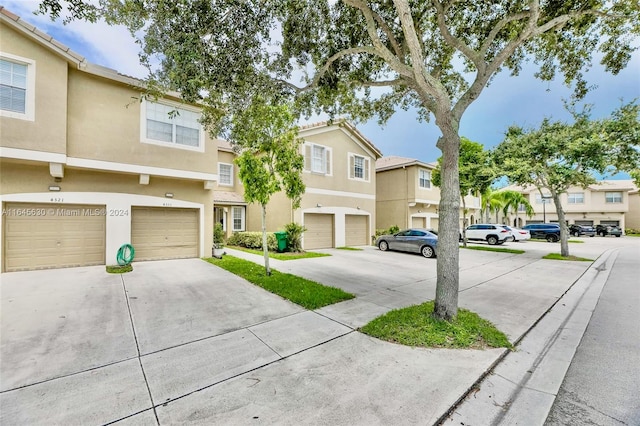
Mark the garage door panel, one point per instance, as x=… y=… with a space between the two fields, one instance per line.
x=53 y=240
x=417 y=222
x=356 y=230
x=162 y=233
x=319 y=233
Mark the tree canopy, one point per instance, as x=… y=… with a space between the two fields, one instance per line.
x=364 y=58
x=560 y=155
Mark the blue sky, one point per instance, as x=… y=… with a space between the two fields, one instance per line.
x=521 y=100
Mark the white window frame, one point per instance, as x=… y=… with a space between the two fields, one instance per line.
x=613 y=197
x=220 y=182
x=366 y=167
x=547 y=198
x=575 y=197
x=328 y=158
x=428 y=172
x=29 y=113
x=177 y=106
x=242 y=218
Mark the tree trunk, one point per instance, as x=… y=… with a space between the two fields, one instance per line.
x=265 y=248
x=446 y=303
x=487 y=213
x=564 y=231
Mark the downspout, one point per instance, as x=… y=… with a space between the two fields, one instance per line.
x=406 y=201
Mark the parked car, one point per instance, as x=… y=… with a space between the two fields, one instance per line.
x=579 y=230
x=413 y=240
x=435 y=232
x=605 y=230
x=518 y=234
x=492 y=234
x=544 y=231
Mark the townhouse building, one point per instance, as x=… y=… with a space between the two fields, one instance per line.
x=87 y=164
x=407 y=198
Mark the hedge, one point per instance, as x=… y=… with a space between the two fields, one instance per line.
x=253 y=240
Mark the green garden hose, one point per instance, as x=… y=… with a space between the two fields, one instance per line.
x=126 y=253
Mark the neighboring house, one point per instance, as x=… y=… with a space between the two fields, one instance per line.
x=339 y=204
x=604 y=203
x=86 y=167
x=632 y=219
x=406 y=196
x=230 y=208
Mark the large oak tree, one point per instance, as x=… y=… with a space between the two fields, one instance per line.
x=370 y=58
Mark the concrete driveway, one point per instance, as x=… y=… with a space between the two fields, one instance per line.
x=183 y=341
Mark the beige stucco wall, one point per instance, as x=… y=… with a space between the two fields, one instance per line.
x=104 y=124
x=633 y=216
x=48 y=130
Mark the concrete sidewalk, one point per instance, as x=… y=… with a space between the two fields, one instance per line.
x=192 y=344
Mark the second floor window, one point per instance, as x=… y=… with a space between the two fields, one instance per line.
x=169 y=124
x=546 y=199
x=226 y=174
x=424 y=179
x=613 y=197
x=358 y=167
x=576 y=197
x=17 y=87
x=317 y=159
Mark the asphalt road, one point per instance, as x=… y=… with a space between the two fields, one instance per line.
x=601 y=386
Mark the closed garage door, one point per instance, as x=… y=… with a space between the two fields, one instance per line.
x=610 y=222
x=435 y=223
x=160 y=233
x=356 y=230
x=40 y=236
x=584 y=222
x=319 y=233
x=417 y=222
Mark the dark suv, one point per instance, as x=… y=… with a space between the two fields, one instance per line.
x=544 y=231
x=605 y=230
x=578 y=230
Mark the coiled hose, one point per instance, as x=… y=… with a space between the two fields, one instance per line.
x=126 y=253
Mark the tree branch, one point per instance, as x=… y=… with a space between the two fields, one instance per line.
x=400 y=52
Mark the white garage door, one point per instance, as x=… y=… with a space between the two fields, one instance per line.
x=435 y=223
x=40 y=236
x=162 y=233
x=319 y=233
x=356 y=230
x=417 y=222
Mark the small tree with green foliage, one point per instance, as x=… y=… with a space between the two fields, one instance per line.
x=270 y=160
x=476 y=174
x=558 y=155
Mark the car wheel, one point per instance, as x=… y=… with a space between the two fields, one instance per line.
x=576 y=234
x=552 y=238
x=492 y=240
x=383 y=245
x=428 y=251
x=617 y=236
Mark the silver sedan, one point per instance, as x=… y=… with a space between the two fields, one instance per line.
x=414 y=240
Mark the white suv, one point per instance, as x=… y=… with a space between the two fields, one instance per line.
x=492 y=234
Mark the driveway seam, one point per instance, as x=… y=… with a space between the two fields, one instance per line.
x=135 y=338
x=264 y=343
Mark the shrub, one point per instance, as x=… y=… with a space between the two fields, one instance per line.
x=392 y=230
x=218 y=235
x=253 y=240
x=294 y=236
x=628 y=231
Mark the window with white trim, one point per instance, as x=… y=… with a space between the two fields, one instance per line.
x=225 y=171
x=170 y=125
x=424 y=178
x=575 y=197
x=237 y=218
x=358 y=167
x=546 y=198
x=17 y=87
x=317 y=159
x=613 y=197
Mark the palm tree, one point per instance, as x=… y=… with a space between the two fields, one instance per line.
x=512 y=200
x=491 y=201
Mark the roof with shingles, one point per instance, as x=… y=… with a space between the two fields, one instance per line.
x=394 y=162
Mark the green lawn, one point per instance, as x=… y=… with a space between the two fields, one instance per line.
x=414 y=326
x=557 y=256
x=117 y=269
x=306 y=293
x=349 y=248
x=498 y=249
x=282 y=256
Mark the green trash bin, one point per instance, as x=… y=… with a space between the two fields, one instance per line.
x=281 y=236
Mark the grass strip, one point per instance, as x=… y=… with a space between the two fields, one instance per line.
x=282 y=256
x=498 y=249
x=117 y=269
x=558 y=256
x=306 y=293
x=415 y=326
x=349 y=248
x=575 y=241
